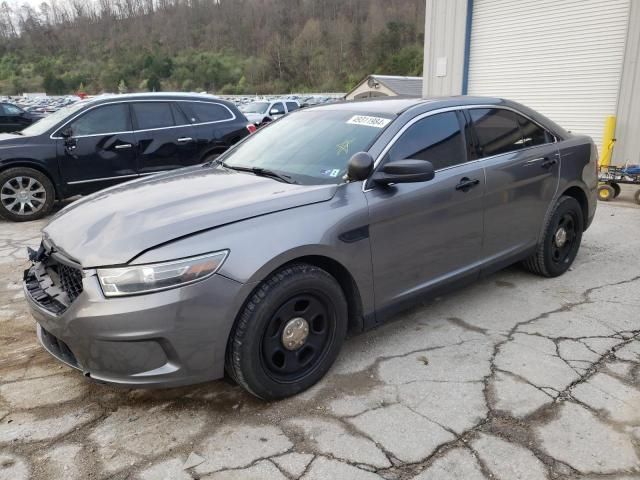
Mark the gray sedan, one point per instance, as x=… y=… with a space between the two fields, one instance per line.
x=325 y=222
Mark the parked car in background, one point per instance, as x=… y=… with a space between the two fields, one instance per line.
x=329 y=220
x=14 y=118
x=93 y=144
x=261 y=112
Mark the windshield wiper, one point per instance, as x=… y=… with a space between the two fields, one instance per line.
x=262 y=172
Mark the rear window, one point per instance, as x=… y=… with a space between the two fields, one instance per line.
x=202 y=112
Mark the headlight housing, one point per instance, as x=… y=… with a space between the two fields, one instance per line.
x=136 y=279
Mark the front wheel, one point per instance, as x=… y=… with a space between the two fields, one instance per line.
x=562 y=236
x=25 y=194
x=289 y=332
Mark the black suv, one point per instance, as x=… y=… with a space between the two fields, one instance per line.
x=96 y=143
x=13 y=118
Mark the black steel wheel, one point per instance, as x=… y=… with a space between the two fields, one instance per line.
x=561 y=240
x=289 y=332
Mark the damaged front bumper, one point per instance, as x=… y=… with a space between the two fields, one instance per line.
x=163 y=339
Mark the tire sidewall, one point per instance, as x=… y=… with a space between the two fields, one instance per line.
x=248 y=355
x=44 y=181
x=565 y=205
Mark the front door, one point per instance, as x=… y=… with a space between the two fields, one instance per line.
x=97 y=149
x=165 y=137
x=425 y=234
x=522 y=166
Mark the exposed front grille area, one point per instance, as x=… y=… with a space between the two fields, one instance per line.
x=70 y=280
x=52 y=284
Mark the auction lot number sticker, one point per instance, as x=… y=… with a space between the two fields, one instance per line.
x=377 y=122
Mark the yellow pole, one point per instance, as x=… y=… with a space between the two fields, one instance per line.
x=608 y=140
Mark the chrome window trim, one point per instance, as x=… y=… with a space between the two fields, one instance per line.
x=233 y=117
x=453 y=109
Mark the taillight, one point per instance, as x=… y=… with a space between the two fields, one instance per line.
x=251 y=127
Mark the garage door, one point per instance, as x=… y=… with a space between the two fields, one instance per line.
x=562 y=58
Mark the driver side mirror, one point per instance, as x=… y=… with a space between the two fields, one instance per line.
x=405 y=171
x=66 y=133
x=360 y=166
x=274 y=111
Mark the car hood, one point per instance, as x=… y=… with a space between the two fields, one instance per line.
x=10 y=139
x=113 y=226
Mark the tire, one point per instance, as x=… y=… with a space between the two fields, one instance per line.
x=556 y=252
x=36 y=188
x=258 y=358
x=606 y=193
x=616 y=189
x=636 y=197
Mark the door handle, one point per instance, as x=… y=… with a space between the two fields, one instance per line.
x=184 y=139
x=467 y=184
x=548 y=162
x=122 y=146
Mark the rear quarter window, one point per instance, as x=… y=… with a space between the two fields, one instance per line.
x=204 y=112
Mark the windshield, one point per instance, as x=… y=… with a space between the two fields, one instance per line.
x=50 y=121
x=255 y=107
x=313 y=147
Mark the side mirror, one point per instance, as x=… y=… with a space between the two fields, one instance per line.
x=66 y=133
x=360 y=166
x=274 y=111
x=405 y=171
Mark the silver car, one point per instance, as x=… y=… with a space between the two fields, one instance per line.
x=325 y=222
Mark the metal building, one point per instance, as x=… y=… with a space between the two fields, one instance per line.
x=576 y=61
x=386 y=85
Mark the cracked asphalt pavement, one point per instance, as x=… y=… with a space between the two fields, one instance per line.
x=515 y=377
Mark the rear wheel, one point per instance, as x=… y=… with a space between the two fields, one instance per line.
x=606 y=193
x=616 y=189
x=561 y=241
x=25 y=194
x=289 y=332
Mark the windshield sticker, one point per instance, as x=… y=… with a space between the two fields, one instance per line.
x=376 y=122
x=344 y=147
x=330 y=172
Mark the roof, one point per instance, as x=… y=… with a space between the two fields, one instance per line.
x=397 y=105
x=409 y=86
x=157 y=95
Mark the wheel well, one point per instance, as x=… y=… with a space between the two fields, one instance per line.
x=33 y=167
x=347 y=283
x=581 y=197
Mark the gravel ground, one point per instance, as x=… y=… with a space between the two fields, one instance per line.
x=516 y=377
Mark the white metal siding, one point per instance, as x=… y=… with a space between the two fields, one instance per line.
x=562 y=58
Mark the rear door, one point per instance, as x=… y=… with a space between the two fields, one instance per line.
x=423 y=234
x=164 y=136
x=522 y=167
x=100 y=151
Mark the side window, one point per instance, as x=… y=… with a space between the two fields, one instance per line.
x=497 y=131
x=533 y=134
x=437 y=138
x=202 y=112
x=106 y=119
x=277 y=109
x=291 y=106
x=153 y=115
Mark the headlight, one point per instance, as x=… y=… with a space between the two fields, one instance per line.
x=116 y=282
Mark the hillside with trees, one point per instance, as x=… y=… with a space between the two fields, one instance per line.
x=222 y=46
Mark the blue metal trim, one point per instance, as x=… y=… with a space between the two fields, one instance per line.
x=467 y=47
